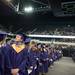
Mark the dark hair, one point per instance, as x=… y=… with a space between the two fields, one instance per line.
x=2 y=36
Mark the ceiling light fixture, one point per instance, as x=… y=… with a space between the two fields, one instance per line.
x=28 y=9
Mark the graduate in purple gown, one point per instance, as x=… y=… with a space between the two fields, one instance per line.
x=33 y=58
x=2 y=36
x=44 y=60
x=1 y=63
x=50 y=58
x=17 y=57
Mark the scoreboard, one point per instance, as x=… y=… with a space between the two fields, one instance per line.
x=68 y=8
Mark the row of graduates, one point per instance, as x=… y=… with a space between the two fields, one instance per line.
x=25 y=57
x=73 y=56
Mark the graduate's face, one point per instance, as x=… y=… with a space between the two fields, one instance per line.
x=34 y=48
x=18 y=38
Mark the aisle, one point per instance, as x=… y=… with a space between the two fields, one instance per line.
x=63 y=67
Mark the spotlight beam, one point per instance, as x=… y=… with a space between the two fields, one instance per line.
x=39 y=2
x=52 y=36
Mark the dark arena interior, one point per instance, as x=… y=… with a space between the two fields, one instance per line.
x=37 y=37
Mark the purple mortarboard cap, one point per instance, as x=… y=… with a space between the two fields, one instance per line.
x=2 y=35
x=27 y=40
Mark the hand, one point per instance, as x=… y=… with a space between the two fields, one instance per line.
x=31 y=67
x=14 y=71
x=37 y=58
x=40 y=64
x=17 y=73
x=29 y=71
x=35 y=67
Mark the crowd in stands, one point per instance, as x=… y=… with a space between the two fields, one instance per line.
x=65 y=30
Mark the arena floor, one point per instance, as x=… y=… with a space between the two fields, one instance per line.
x=65 y=66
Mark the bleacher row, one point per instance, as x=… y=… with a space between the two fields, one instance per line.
x=60 y=30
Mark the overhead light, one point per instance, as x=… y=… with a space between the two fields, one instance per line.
x=28 y=9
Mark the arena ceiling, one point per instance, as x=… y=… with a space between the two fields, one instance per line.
x=50 y=12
